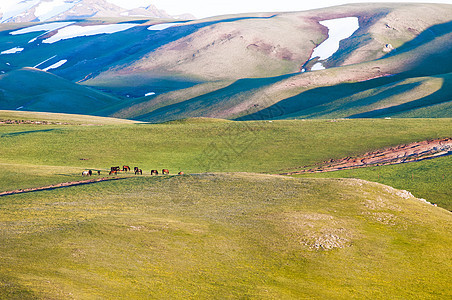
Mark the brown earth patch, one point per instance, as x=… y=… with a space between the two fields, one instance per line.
x=395 y=155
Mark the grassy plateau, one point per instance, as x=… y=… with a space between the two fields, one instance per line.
x=224 y=236
x=226 y=229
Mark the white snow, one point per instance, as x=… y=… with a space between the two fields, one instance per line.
x=42 y=27
x=48 y=10
x=162 y=26
x=12 y=50
x=56 y=65
x=44 y=61
x=338 y=30
x=317 y=66
x=15 y=7
x=76 y=31
x=149 y=94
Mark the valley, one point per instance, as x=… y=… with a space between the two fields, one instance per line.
x=308 y=152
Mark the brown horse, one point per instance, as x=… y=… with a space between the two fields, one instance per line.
x=154 y=172
x=125 y=168
x=117 y=169
x=165 y=171
x=138 y=171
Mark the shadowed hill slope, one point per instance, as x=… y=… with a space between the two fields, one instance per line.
x=249 y=66
x=35 y=90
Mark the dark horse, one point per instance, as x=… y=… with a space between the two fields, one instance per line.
x=165 y=171
x=125 y=168
x=114 y=170
x=154 y=172
x=138 y=171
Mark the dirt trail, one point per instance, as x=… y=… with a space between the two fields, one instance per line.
x=59 y=185
x=390 y=156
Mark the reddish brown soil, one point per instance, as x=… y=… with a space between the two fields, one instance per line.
x=59 y=185
x=390 y=156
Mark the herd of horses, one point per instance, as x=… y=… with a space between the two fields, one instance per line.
x=138 y=171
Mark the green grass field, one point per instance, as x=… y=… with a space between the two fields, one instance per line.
x=223 y=236
x=428 y=179
x=201 y=145
x=219 y=235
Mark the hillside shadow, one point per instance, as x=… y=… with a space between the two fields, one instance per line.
x=426 y=36
x=95 y=54
x=444 y=94
x=13 y=134
x=432 y=63
x=218 y=100
x=316 y=97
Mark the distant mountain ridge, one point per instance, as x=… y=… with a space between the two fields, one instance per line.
x=393 y=62
x=59 y=10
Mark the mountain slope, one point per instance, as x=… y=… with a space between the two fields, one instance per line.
x=35 y=90
x=248 y=66
x=58 y=10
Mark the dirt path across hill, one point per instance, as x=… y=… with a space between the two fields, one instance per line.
x=59 y=185
x=390 y=156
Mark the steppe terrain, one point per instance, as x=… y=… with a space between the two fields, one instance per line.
x=303 y=163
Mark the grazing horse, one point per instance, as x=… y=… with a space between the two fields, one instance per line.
x=154 y=172
x=138 y=171
x=165 y=171
x=125 y=168
x=86 y=173
x=181 y=173
x=115 y=172
x=115 y=169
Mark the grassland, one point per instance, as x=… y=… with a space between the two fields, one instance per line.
x=429 y=179
x=223 y=236
x=66 y=119
x=218 y=235
x=201 y=145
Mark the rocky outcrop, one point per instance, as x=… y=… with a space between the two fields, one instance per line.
x=390 y=156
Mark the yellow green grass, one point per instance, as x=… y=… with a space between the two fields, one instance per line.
x=223 y=236
x=34 y=155
x=70 y=119
x=428 y=179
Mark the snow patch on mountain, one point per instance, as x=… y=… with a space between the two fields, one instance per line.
x=48 y=10
x=73 y=31
x=12 y=8
x=53 y=10
x=162 y=26
x=56 y=65
x=12 y=50
x=42 y=27
x=338 y=30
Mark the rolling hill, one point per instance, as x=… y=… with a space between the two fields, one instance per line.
x=41 y=91
x=224 y=235
x=250 y=66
